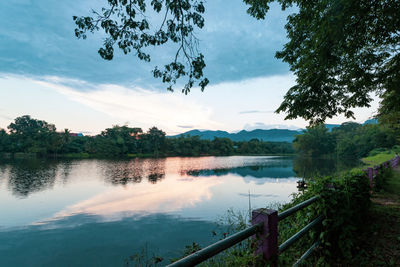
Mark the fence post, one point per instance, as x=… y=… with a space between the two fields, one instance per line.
x=268 y=239
x=370 y=173
x=376 y=170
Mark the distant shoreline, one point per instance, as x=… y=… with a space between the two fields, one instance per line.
x=21 y=155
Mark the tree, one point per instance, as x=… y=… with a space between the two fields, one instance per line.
x=25 y=125
x=36 y=136
x=153 y=140
x=4 y=141
x=316 y=141
x=339 y=50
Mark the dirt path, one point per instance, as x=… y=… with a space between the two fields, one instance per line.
x=381 y=242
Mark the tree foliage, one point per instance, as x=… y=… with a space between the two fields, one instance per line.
x=349 y=140
x=126 y=25
x=340 y=52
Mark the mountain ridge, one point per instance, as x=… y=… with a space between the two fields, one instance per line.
x=271 y=135
x=267 y=135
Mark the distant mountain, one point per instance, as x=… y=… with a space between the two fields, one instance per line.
x=371 y=121
x=273 y=135
x=269 y=135
x=331 y=126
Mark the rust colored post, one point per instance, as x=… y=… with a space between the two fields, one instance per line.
x=268 y=239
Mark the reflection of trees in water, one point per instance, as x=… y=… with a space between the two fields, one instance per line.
x=155 y=177
x=285 y=168
x=65 y=170
x=276 y=170
x=3 y=172
x=308 y=167
x=27 y=176
x=133 y=171
x=156 y=170
x=123 y=172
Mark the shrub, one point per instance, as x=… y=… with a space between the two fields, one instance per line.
x=377 y=151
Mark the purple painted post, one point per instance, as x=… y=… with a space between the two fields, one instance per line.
x=268 y=239
x=395 y=161
x=370 y=174
x=375 y=170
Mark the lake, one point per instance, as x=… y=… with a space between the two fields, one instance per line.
x=99 y=212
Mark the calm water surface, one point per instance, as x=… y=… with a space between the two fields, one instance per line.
x=99 y=212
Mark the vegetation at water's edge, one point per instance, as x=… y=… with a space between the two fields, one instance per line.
x=31 y=137
x=345 y=204
x=351 y=222
x=349 y=140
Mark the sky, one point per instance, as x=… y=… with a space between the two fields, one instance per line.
x=46 y=72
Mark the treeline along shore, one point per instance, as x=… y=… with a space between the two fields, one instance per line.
x=27 y=136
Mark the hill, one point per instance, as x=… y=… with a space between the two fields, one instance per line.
x=272 y=135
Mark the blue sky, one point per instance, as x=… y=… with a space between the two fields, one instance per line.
x=48 y=73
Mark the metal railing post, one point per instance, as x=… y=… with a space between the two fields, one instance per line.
x=267 y=245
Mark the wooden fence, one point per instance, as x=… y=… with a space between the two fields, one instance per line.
x=374 y=171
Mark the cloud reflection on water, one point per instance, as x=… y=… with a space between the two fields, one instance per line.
x=168 y=196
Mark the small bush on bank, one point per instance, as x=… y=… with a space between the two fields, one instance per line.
x=377 y=151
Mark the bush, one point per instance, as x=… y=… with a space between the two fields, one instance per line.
x=396 y=149
x=344 y=203
x=377 y=151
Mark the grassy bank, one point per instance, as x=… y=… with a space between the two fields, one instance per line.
x=377 y=159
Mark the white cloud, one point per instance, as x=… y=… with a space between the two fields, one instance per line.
x=138 y=106
x=260 y=125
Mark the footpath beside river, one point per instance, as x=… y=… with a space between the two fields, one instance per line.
x=380 y=243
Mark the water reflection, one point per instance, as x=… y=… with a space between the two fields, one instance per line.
x=171 y=195
x=310 y=167
x=277 y=171
x=25 y=177
x=81 y=209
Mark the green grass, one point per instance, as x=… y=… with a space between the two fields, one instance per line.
x=378 y=158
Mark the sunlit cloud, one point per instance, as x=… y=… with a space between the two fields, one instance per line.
x=137 y=106
x=186 y=126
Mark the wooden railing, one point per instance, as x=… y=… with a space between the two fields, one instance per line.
x=265 y=225
x=374 y=171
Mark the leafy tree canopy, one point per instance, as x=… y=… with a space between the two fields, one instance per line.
x=25 y=125
x=127 y=26
x=339 y=50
